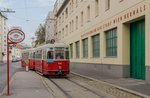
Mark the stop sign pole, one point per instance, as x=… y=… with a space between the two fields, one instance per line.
x=14 y=36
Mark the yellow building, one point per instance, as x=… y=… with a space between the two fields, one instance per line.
x=110 y=37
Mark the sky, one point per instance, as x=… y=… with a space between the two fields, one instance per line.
x=28 y=14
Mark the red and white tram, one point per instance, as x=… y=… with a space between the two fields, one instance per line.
x=25 y=58
x=52 y=59
x=28 y=58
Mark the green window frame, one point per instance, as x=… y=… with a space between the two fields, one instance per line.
x=111 y=43
x=85 y=48
x=71 y=50
x=77 y=49
x=96 y=45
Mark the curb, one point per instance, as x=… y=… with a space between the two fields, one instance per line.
x=109 y=88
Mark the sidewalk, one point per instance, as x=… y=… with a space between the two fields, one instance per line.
x=27 y=85
x=136 y=86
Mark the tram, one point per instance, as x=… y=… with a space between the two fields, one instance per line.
x=52 y=59
x=28 y=58
x=25 y=58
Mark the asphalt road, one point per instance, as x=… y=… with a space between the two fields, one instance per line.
x=15 y=66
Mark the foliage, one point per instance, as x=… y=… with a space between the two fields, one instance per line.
x=40 y=35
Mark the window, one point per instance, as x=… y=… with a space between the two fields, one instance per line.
x=62 y=17
x=76 y=22
x=50 y=55
x=107 y=4
x=96 y=45
x=66 y=29
x=71 y=50
x=66 y=12
x=63 y=33
x=39 y=54
x=88 y=13
x=96 y=8
x=76 y=3
x=59 y=54
x=77 y=49
x=111 y=42
x=59 y=20
x=72 y=25
x=60 y=35
x=85 y=48
x=81 y=18
x=67 y=53
x=72 y=4
x=44 y=54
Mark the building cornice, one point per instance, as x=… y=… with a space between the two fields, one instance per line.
x=62 y=7
x=3 y=15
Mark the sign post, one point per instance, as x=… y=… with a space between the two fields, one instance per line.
x=14 y=36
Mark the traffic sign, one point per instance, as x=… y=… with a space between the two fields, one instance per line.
x=16 y=35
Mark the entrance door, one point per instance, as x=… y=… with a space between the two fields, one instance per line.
x=137 y=50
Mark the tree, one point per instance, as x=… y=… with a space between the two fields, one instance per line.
x=40 y=35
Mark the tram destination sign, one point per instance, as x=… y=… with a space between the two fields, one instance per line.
x=16 y=35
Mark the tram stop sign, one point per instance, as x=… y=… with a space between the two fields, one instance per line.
x=16 y=36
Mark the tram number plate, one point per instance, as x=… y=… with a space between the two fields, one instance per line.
x=60 y=63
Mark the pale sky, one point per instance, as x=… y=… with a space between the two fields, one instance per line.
x=28 y=14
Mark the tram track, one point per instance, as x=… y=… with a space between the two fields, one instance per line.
x=67 y=95
x=70 y=92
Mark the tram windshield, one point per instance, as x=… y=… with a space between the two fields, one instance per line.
x=59 y=53
x=50 y=55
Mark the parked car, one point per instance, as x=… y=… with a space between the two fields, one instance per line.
x=16 y=59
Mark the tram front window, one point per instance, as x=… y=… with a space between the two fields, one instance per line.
x=59 y=55
x=50 y=55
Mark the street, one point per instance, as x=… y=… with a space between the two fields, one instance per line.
x=15 y=66
x=75 y=49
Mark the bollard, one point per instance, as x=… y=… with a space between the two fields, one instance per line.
x=27 y=68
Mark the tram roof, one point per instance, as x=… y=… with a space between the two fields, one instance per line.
x=53 y=45
x=31 y=49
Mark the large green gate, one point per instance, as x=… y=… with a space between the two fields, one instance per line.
x=137 y=50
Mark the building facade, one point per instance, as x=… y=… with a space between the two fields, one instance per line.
x=3 y=33
x=4 y=44
x=49 y=24
x=110 y=37
x=16 y=51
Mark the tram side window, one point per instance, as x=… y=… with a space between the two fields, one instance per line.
x=59 y=55
x=50 y=55
x=39 y=56
x=31 y=55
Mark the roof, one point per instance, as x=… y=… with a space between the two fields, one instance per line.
x=53 y=45
x=3 y=15
x=62 y=7
x=24 y=50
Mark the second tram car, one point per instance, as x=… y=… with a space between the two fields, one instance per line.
x=52 y=59
x=25 y=58
x=28 y=58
